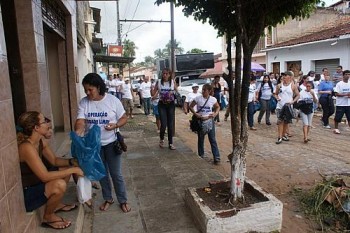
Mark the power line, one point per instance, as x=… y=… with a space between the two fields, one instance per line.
x=133 y=16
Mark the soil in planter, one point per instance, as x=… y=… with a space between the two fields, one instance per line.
x=216 y=198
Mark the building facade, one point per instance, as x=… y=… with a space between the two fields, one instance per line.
x=41 y=67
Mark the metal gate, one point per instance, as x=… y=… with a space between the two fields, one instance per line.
x=331 y=64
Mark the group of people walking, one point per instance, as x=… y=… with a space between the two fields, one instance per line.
x=43 y=184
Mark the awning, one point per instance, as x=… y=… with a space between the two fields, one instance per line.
x=113 y=59
x=211 y=73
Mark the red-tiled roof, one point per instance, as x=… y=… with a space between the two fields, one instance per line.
x=329 y=33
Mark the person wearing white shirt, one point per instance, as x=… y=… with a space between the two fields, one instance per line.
x=208 y=109
x=307 y=98
x=110 y=84
x=190 y=97
x=145 y=91
x=265 y=93
x=342 y=91
x=252 y=98
x=118 y=82
x=128 y=99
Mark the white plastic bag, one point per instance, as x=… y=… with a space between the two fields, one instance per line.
x=84 y=189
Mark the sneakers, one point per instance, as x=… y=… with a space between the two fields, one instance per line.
x=268 y=123
x=279 y=141
x=336 y=131
x=253 y=128
x=326 y=127
x=285 y=138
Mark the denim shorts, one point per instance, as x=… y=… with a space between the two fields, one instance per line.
x=34 y=196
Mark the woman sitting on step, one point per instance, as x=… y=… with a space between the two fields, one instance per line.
x=40 y=184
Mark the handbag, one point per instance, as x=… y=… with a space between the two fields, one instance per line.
x=119 y=144
x=195 y=123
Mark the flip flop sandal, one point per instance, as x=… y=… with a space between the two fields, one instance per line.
x=105 y=206
x=65 y=206
x=48 y=224
x=124 y=207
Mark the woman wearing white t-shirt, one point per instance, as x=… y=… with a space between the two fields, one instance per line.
x=107 y=112
x=306 y=100
x=206 y=104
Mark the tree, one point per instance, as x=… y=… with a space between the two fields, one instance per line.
x=160 y=53
x=177 y=48
x=196 y=50
x=245 y=20
x=149 y=61
x=129 y=48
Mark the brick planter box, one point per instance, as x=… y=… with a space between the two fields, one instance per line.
x=265 y=216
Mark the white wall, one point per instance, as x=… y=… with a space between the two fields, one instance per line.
x=307 y=54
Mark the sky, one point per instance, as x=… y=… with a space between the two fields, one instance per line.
x=149 y=37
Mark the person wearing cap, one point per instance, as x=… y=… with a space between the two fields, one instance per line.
x=284 y=95
x=190 y=96
x=128 y=98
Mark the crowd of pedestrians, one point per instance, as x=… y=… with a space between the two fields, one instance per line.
x=109 y=104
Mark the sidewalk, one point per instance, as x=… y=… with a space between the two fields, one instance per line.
x=156 y=179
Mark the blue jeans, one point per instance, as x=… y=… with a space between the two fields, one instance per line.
x=213 y=143
x=119 y=95
x=112 y=162
x=167 y=116
x=147 y=105
x=250 y=114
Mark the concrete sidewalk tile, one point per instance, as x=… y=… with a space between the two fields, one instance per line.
x=152 y=184
x=147 y=170
x=161 y=198
x=167 y=218
x=118 y=222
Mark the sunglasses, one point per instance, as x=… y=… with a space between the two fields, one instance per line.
x=46 y=121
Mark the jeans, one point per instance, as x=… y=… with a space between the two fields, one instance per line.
x=265 y=107
x=213 y=144
x=147 y=105
x=119 y=95
x=250 y=114
x=112 y=162
x=167 y=116
x=327 y=109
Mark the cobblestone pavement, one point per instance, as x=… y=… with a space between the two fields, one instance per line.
x=281 y=168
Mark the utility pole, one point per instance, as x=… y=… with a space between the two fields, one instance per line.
x=172 y=52
x=118 y=25
x=119 y=39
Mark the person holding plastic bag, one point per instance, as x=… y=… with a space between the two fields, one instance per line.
x=41 y=185
x=107 y=112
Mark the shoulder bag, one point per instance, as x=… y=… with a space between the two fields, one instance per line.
x=195 y=123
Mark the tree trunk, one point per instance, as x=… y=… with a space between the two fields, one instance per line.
x=237 y=157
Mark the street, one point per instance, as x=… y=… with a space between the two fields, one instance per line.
x=281 y=168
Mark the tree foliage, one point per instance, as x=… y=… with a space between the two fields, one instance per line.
x=196 y=50
x=129 y=48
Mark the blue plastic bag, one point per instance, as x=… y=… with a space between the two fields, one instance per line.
x=87 y=151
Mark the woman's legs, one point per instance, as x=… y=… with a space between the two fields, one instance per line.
x=163 y=119
x=54 y=191
x=170 y=121
x=213 y=144
x=262 y=110
x=200 y=144
x=112 y=162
